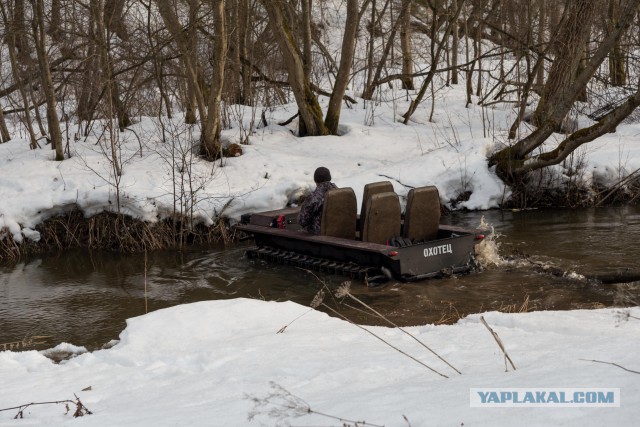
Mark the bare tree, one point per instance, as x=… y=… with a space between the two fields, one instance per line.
x=185 y=43
x=211 y=131
x=562 y=88
x=15 y=42
x=39 y=37
x=332 y=117
x=437 y=47
x=405 y=44
x=4 y=131
x=374 y=80
x=312 y=123
x=454 y=46
x=208 y=107
x=114 y=19
x=616 y=57
x=97 y=10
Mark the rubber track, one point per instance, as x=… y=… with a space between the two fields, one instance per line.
x=295 y=259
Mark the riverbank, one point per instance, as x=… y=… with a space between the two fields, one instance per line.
x=108 y=231
x=111 y=232
x=285 y=364
x=164 y=189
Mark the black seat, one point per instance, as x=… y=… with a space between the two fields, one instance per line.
x=369 y=190
x=339 y=213
x=382 y=218
x=422 y=214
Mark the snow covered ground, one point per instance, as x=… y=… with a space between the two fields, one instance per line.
x=223 y=363
x=277 y=167
x=218 y=363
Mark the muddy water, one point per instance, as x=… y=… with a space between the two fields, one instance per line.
x=84 y=298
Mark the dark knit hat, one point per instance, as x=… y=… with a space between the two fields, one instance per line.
x=322 y=174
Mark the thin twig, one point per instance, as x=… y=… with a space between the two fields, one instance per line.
x=37 y=403
x=619 y=185
x=401 y=329
x=381 y=339
x=611 y=363
x=499 y=341
x=324 y=284
x=318 y=300
x=281 y=330
x=81 y=410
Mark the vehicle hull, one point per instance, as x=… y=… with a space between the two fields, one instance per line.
x=453 y=251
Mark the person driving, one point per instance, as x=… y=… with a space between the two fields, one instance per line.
x=311 y=211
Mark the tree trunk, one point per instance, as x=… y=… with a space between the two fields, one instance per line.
x=158 y=65
x=55 y=22
x=370 y=48
x=19 y=33
x=89 y=91
x=405 y=45
x=308 y=106
x=243 y=30
x=542 y=17
x=477 y=53
x=332 y=118
x=307 y=61
x=15 y=69
x=436 y=50
x=188 y=51
x=53 y=122
x=4 y=131
x=122 y=114
x=114 y=19
x=183 y=40
x=616 y=57
x=234 y=82
x=582 y=94
x=211 y=132
x=305 y=10
x=569 y=46
x=97 y=10
x=454 y=48
x=371 y=86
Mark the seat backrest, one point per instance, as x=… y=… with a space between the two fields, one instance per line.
x=339 y=212
x=369 y=190
x=382 y=219
x=422 y=215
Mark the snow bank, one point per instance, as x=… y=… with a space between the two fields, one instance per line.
x=209 y=363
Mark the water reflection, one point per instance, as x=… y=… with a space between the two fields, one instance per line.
x=84 y=298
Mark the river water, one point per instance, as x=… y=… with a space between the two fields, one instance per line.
x=85 y=298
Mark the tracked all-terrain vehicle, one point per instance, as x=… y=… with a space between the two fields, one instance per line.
x=380 y=243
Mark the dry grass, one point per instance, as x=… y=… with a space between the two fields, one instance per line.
x=9 y=248
x=516 y=308
x=111 y=232
x=449 y=314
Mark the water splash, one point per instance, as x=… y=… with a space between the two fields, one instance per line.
x=488 y=251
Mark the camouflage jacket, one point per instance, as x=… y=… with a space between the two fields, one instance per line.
x=311 y=210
